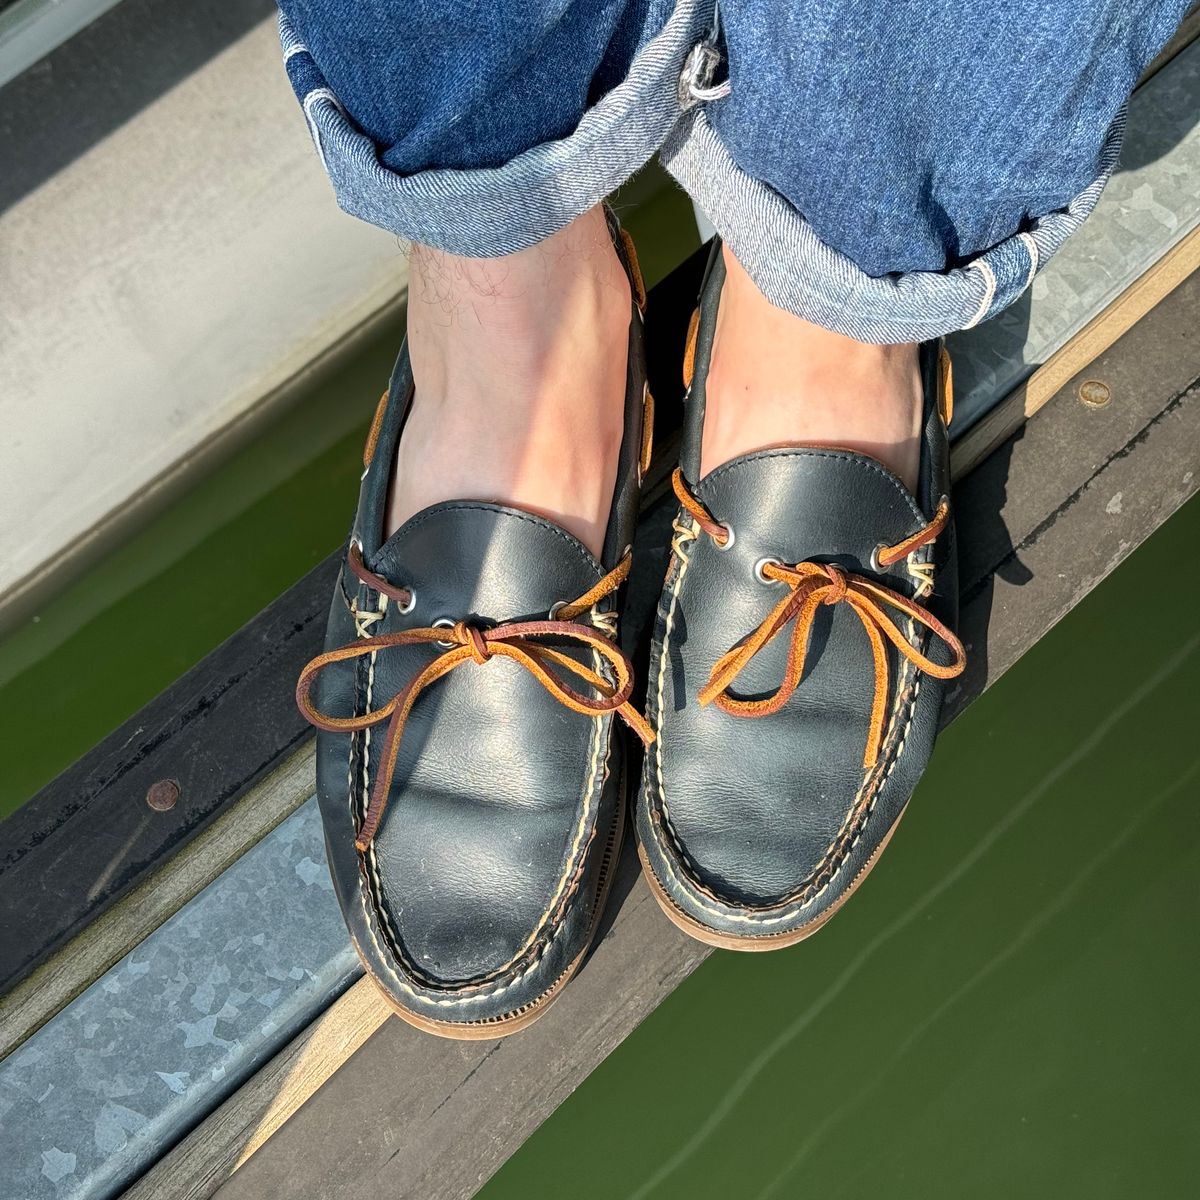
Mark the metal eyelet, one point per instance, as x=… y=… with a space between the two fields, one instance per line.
x=405 y=609
x=730 y=538
x=555 y=609
x=759 y=572
x=443 y=623
x=875 y=564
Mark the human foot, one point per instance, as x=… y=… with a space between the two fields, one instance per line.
x=472 y=841
x=519 y=366
x=800 y=650
x=776 y=379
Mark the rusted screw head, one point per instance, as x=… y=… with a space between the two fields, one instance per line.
x=161 y=796
x=1094 y=394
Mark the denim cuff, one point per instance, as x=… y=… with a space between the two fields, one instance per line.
x=796 y=271
x=492 y=211
x=482 y=213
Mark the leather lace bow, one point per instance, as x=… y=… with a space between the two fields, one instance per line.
x=811 y=585
x=517 y=641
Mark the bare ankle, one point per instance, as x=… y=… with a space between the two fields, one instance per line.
x=519 y=370
x=776 y=379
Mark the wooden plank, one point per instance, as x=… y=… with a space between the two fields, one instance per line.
x=236 y=1131
x=1042 y=520
x=1095 y=337
x=1074 y=452
x=104 y=941
x=435 y=1068
x=307 y=1063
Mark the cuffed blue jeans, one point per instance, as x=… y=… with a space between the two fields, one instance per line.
x=892 y=171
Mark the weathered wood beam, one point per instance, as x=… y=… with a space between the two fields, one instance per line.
x=1042 y=520
x=1095 y=337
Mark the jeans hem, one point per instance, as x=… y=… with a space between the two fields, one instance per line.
x=485 y=212
x=798 y=272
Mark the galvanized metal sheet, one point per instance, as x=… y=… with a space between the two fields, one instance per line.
x=101 y=1091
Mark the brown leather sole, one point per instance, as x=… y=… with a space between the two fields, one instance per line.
x=522 y=1018
x=770 y=941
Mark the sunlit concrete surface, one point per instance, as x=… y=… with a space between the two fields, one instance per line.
x=156 y=293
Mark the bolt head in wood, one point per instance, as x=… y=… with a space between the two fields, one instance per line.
x=161 y=796
x=1094 y=394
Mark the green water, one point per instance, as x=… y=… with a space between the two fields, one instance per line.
x=1005 y=1009
x=107 y=643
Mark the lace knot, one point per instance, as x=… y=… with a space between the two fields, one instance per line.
x=472 y=638
x=518 y=641
x=835 y=591
x=811 y=585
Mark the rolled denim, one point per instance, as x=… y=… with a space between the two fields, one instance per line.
x=891 y=172
x=797 y=271
x=459 y=199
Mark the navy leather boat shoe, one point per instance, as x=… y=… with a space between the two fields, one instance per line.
x=795 y=681
x=469 y=704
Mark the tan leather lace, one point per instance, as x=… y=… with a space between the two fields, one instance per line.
x=514 y=640
x=812 y=584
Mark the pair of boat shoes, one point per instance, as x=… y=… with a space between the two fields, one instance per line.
x=473 y=704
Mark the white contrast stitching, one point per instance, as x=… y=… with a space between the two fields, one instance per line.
x=1032 y=247
x=687 y=533
x=794 y=909
x=989 y=291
